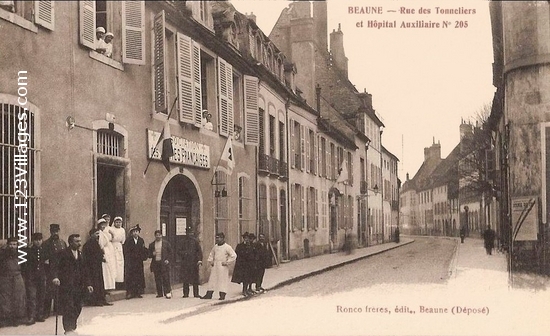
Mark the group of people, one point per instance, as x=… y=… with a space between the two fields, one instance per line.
x=103 y=42
x=253 y=257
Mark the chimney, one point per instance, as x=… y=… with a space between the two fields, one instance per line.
x=251 y=16
x=320 y=24
x=337 y=50
x=366 y=99
x=432 y=153
x=301 y=9
x=407 y=176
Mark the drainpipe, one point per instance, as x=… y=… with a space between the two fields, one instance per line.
x=288 y=186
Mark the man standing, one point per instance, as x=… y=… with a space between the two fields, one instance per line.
x=219 y=259
x=12 y=286
x=244 y=265
x=161 y=252
x=135 y=254
x=264 y=261
x=119 y=237
x=69 y=273
x=52 y=246
x=93 y=258
x=489 y=240
x=34 y=274
x=191 y=255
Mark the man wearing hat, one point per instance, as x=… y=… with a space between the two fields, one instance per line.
x=243 y=272
x=51 y=247
x=100 y=45
x=191 y=259
x=92 y=257
x=34 y=274
x=135 y=253
x=12 y=286
x=109 y=45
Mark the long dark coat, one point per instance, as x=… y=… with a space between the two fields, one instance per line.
x=12 y=286
x=134 y=256
x=93 y=259
x=191 y=254
x=489 y=238
x=245 y=265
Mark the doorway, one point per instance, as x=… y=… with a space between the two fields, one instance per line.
x=110 y=190
x=179 y=209
x=283 y=227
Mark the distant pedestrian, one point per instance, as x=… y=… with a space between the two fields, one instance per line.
x=34 y=274
x=462 y=233
x=161 y=252
x=397 y=233
x=135 y=253
x=191 y=258
x=118 y=235
x=489 y=240
x=93 y=260
x=263 y=261
x=70 y=275
x=51 y=247
x=12 y=286
x=221 y=256
x=108 y=266
x=244 y=265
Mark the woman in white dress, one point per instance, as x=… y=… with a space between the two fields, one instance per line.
x=108 y=265
x=119 y=237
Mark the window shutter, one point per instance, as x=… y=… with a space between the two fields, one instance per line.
x=133 y=32
x=302 y=148
x=197 y=88
x=159 y=62
x=225 y=93
x=87 y=23
x=316 y=156
x=303 y=206
x=293 y=205
x=45 y=14
x=252 y=127
x=292 y=145
x=308 y=149
x=185 y=78
x=316 y=225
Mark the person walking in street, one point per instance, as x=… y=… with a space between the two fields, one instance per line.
x=70 y=274
x=397 y=233
x=244 y=265
x=191 y=258
x=12 y=286
x=161 y=252
x=108 y=266
x=51 y=247
x=93 y=260
x=135 y=253
x=462 y=233
x=221 y=256
x=489 y=240
x=118 y=238
x=263 y=261
x=34 y=274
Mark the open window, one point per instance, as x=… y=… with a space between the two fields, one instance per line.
x=28 y=13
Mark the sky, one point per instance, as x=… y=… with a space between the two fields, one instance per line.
x=423 y=81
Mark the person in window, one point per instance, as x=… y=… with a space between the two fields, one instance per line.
x=8 y=5
x=100 y=46
x=206 y=120
x=109 y=45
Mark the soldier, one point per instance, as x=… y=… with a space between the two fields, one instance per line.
x=191 y=258
x=51 y=247
x=34 y=274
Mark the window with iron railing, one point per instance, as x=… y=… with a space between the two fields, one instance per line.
x=110 y=143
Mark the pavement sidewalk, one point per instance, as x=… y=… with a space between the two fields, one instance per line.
x=275 y=277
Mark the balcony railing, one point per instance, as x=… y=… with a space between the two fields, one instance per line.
x=263 y=164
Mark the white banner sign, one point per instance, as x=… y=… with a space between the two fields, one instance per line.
x=186 y=152
x=524 y=218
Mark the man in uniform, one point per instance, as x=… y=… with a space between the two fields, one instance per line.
x=51 y=247
x=34 y=273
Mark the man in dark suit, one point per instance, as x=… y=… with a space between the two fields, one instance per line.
x=93 y=258
x=135 y=254
x=263 y=261
x=51 y=247
x=34 y=273
x=70 y=274
x=161 y=252
x=191 y=259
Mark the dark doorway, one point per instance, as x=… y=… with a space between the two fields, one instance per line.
x=179 y=209
x=284 y=228
x=110 y=190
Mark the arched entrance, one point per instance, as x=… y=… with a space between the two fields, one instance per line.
x=179 y=209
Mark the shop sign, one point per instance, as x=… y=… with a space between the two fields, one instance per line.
x=186 y=152
x=524 y=218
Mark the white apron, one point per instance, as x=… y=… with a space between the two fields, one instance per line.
x=119 y=237
x=219 y=275
x=109 y=270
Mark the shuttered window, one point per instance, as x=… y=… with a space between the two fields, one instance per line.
x=252 y=127
x=197 y=84
x=159 y=63
x=225 y=93
x=185 y=78
x=133 y=32
x=87 y=23
x=263 y=214
x=246 y=219
x=44 y=14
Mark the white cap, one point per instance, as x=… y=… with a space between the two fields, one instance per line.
x=109 y=34
x=100 y=30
